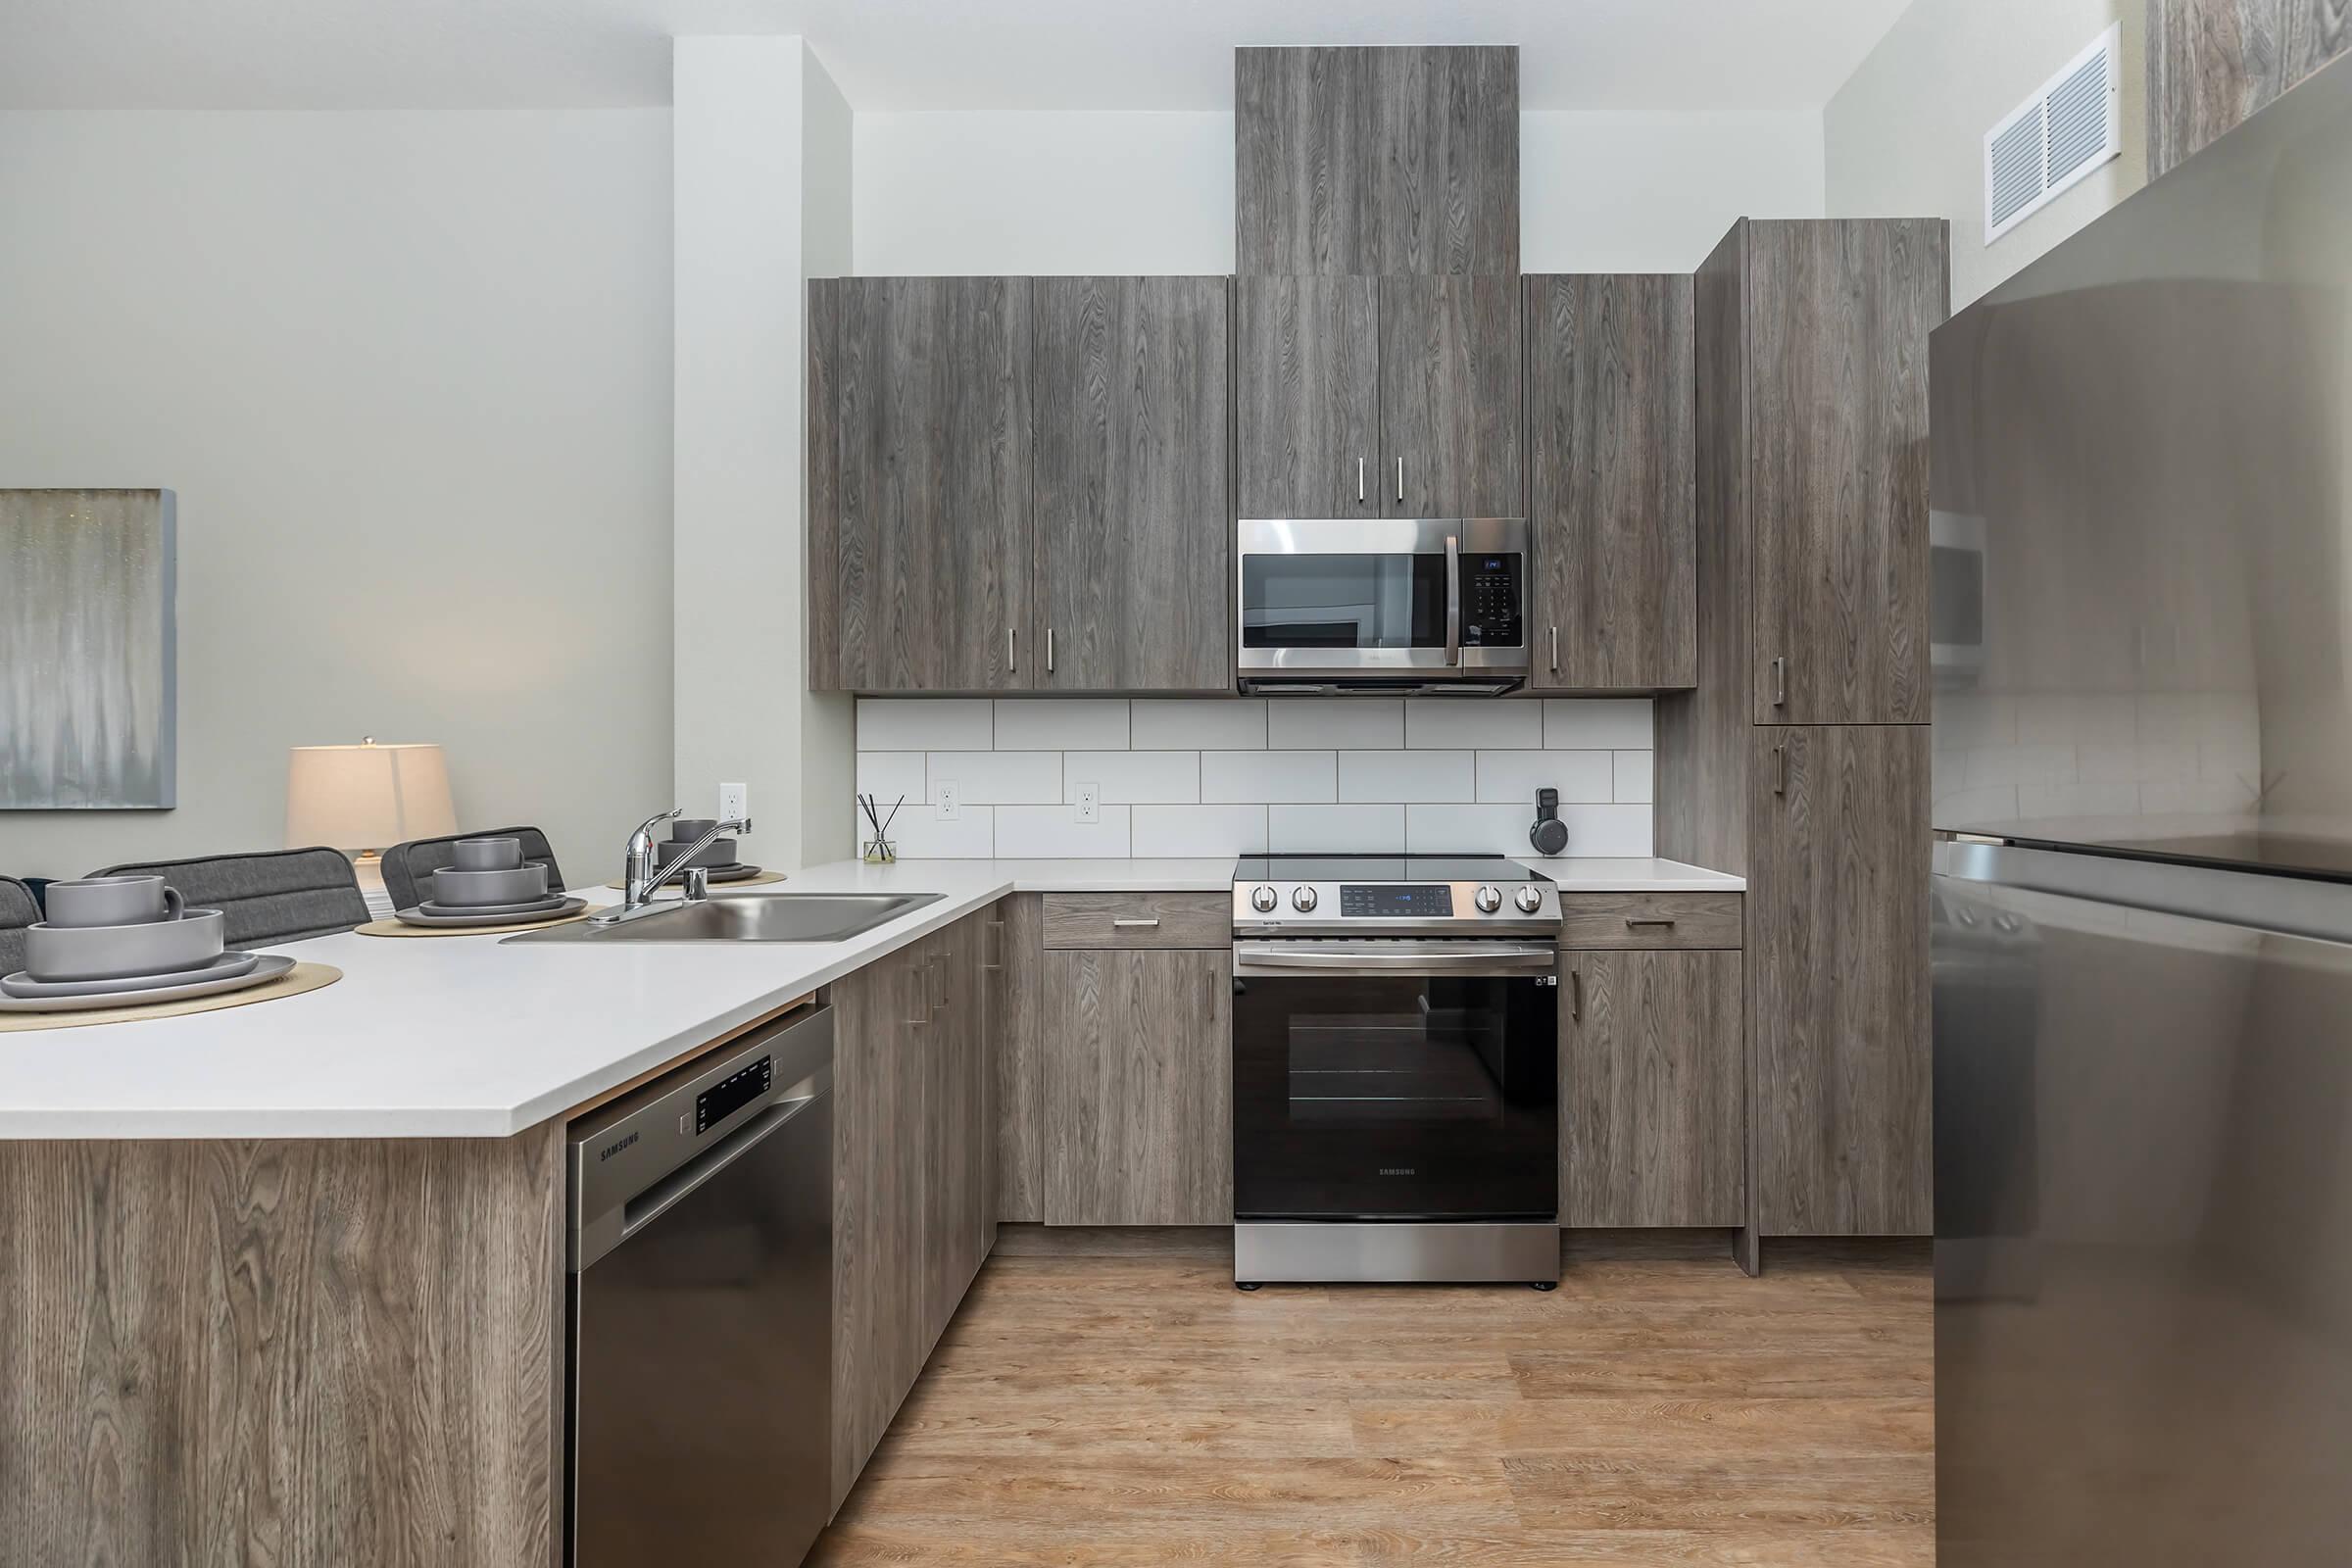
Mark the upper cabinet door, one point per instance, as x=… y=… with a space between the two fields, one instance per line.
x=1306 y=397
x=1836 y=341
x=2214 y=63
x=1611 y=486
x=918 y=484
x=1447 y=140
x=1373 y=161
x=1304 y=170
x=1449 y=409
x=1133 y=521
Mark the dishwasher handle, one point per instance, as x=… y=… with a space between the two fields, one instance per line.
x=664 y=1195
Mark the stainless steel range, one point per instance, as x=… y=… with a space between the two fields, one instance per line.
x=1395 y=1049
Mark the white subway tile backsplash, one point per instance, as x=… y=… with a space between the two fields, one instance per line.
x=1134 y=778
x=1044 y=724
x=1187 y=777
x=995 y=778
x=888 y=775
x=1268 y=778
x=1202 y=724
x=1374 y=723
x=924 y=724
x=1636 y=783
x=1588 y=723
x=922 y=835
x=1335 y=830
x=1516 y=776
x=1469 y=724
x=1183 y=832
x=1054 y=833
x=1401 y=777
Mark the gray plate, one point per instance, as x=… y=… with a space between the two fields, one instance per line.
x=268 y=968
x=449 y=912
x=227 y=967
x=727 y=874
x=464 y=922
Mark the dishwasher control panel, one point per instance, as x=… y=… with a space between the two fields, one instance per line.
x=732 y=1092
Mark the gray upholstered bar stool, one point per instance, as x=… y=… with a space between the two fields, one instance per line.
x=408 y=867
x=16 y=911
x=266 y=900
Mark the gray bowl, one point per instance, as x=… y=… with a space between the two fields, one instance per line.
x=719 y=851
x=486 y=855
x=686 y=829
x=117 y=952
x=455 y=887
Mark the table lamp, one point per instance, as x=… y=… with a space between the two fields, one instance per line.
x=363 y=798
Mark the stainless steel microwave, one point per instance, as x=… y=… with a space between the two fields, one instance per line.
x=1412 y=606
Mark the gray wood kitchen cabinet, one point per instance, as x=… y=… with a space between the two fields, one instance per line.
x=1363 y=162
x=1016 y=1003
x=1132 y=536
x=1611 y=490
x=919 y=449
x=1306 y=397
x=1652 y=1089
x=1449 y=397
x=1838 y=957
x=2213 y=63
x=1137 y=1087
x=1834 y=340
x=914 y=1156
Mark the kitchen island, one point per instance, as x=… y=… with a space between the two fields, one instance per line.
x=287 y=1283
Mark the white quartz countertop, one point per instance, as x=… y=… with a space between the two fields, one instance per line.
x=470 y=1036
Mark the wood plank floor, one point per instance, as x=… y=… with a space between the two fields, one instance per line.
x=1126 y=1405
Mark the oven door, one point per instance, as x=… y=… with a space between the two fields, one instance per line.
x=1396 y=1081
x=1396 y=598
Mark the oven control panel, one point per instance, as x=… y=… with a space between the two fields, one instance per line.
x=1492 y=597
x=1431 y=901
x=1393 y=909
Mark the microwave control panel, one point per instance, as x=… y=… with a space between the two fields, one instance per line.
x=1491 y=601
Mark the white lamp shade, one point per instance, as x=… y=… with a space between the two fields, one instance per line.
x=367 y=797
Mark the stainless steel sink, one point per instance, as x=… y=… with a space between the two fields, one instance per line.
x=748 y=917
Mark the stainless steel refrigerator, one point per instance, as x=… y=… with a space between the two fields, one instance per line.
x=2142 y=615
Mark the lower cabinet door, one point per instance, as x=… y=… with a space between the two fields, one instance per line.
x=1137 y=1087
x=1652 y=1101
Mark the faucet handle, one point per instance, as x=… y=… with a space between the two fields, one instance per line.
x=644 y=828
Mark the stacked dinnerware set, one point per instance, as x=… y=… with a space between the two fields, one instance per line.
x=490 y=886
x=718 y=858
x=122 y=941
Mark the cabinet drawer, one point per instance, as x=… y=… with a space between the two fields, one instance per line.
x=1139 y=919
x=1649 y=919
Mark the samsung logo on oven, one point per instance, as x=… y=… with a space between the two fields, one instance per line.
x=609 y=1150
x=1397 y=1170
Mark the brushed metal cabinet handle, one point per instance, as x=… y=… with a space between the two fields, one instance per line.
x=1048 y=650
x=1556 y=650
x=1012 y=648
x=1780 y=768
x=1135 y=925
x=1360 y=479
x=1401 y=479
x=1642 y=920
x=1576 y=994
x=998 y=927
x=1780 y=683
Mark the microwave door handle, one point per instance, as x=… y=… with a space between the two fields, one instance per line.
x=1453 y=599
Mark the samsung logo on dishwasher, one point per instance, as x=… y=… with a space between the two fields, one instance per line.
x=1397 y=1170
x=609 y=1150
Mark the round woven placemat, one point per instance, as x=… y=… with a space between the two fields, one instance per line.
x=401 y=928
x=717 y=888
x=293 y=983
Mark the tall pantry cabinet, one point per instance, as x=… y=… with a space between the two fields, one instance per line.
x=1800 y=759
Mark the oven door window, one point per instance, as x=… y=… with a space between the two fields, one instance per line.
x=1367 y=600
x=1396 y=1097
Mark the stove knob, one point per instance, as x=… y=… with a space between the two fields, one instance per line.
x=1263 y=901
x=1529 y=899
x=1488 y=900
x=1302 y=899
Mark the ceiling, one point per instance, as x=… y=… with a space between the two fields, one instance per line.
x=897 y=54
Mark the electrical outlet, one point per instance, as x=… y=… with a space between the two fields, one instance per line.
x=950 y=801
x=734 y=801
x=1090 y=803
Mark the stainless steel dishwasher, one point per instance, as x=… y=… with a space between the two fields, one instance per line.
x=701 y=1291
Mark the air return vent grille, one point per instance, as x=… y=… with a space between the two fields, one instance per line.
x=2054 y=138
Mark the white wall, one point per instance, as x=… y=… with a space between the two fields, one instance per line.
x=409 y=377
x=1142 y=193
x=1905 y=135
x=1213 y=777
x=762 y=155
